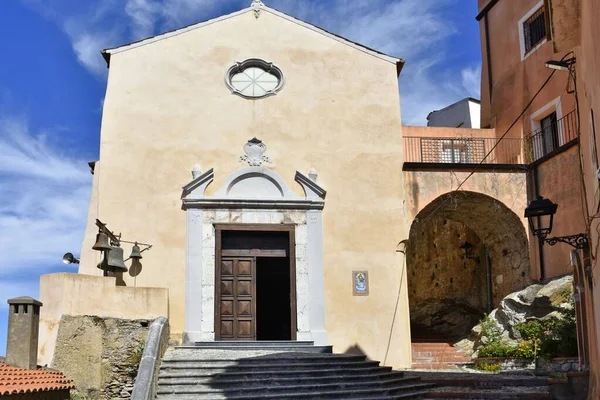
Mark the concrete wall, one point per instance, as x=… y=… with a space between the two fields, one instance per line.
x=491 y=204
x=167 y=108
x=423 y=187
x=462 y=114
x=76 y=294
x=437 y=131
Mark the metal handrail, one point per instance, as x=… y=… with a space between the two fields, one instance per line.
x=544 y=141
x=463 y=150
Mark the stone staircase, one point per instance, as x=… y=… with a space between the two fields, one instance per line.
x=481 y=386
x=278 y=370
x=437 y=355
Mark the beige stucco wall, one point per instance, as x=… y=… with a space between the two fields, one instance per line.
x=76 y=294
x=167 y=108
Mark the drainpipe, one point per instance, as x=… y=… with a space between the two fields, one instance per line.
x=489 y=56
x=488 y=273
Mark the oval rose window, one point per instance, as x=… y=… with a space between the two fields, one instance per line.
x=254 y=79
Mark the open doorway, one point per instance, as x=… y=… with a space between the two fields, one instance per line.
x=255 y=282
x=273 y=308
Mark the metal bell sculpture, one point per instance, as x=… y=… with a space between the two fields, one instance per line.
x=114 y=260
x=136 y=253
x=102 y=242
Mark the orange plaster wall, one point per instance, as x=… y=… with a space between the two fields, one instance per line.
x=588 y=80
x=559 y=180
x=515 y=81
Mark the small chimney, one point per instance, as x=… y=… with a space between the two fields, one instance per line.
x=23 y=328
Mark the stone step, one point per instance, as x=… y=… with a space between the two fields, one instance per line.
x=492 y=383
x=266 y=366
x=435 y=366
x=313 y=396
x=280 y=346
x=503 y=394
x=255 y=343
x=433 y=344
x=443 y=358
x=348 y=372
x=350 y=389
x=233 y=381
x=246 y=359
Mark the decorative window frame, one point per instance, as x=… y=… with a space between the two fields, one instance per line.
x=524 y=53
x=537 y=117
x=258 y=63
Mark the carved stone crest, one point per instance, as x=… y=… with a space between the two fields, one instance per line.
x=254 y=150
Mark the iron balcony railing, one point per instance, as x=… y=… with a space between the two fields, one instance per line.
x=462 y=150
x=551 y=136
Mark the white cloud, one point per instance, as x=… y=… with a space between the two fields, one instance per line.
x=416 y=30
x=44 y=195
x=143 y=15
x=471 y=80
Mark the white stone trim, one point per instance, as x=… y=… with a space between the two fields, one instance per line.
x=532 y=11
x=204 y=212
x=536 y=117
x=143 y=42
x=280 y=198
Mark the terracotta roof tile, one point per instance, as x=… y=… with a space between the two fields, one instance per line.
x=18 y=380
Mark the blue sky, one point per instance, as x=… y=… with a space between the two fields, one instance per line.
x=53 y=78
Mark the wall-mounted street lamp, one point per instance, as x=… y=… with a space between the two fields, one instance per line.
x=69 y=258
x=562 y=65
x=467 y=249
x=110 y=245
x=540 y=214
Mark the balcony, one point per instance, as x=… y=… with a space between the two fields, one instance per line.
x=551 y=136
x=463 y=150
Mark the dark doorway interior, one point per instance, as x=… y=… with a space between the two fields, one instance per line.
x=268 y=287
x=273 y=311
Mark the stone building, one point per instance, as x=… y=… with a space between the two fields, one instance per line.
x=519 y=99
x=551 y=56
x=575 y=28
x=280 y=194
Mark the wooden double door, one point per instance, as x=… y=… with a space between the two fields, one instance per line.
x=240 y=297
x=237 y=300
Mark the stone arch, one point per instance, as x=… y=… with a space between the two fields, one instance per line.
x=448 y=288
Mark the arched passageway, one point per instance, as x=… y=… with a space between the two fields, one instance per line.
x=466 y=252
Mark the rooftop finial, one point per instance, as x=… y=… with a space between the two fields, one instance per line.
x=256 y=5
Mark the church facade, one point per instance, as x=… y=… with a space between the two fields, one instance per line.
x=261 y=156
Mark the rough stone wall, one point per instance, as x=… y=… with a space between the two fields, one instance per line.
x=447 y=290
x=100 y=355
